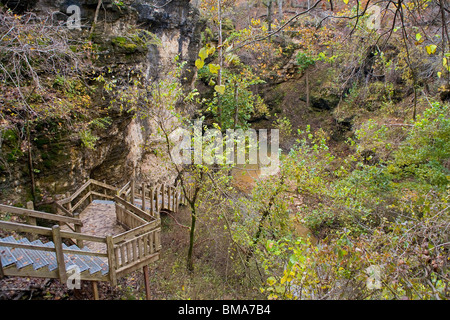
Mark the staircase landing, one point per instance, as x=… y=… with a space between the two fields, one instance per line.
x=99 y=219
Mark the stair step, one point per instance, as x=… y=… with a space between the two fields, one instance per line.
x=103 y=264
x=78 y=259
x=68 y=258
x=50 y=256
x=99 y=262
x=6 y=256
x=22 y=259
x=38 y=258
x=90 y=261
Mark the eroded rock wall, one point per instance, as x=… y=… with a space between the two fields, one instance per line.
x=62 y=162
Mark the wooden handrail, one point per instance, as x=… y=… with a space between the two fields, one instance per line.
x=101 y=195
x=137 y=251
x=39 y=214
x=79 y=203
x=137 y=211
x=80 y=190
x=61 y=207
x=127 y=218
x=103 y=185
x=76 y=194
x=82 y=236
x=18 y=227
x=111 y=260
x=41 y=248
x=135 y=232
x=124 y=188
x=86 y=186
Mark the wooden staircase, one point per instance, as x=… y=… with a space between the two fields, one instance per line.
x=24 y=257
x=37 y=251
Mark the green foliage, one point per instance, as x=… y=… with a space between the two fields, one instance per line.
x=88 y=139
x=135 y=40
x=10 y=143
x=235 y=99
x=284 y=126
x=335 y=270
x=304 y=61
x=426 y=147
x=238 y=103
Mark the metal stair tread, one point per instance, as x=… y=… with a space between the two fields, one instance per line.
x=51 y=256
x=38 y=258
x=90 y=261
x=67 y=258
x=7 y=258
x=45 y=254
x=22 y=259
x=101 y=263
x=79 y=260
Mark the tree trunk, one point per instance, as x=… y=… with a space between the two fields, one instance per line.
x=269 y=15
x=236 y=106
x=219 y=75
x=97 y=10
x=307 y=90
x=257 y=235
x=190 y=260
x=444 y=34
x=280 y=10
x=30 y=164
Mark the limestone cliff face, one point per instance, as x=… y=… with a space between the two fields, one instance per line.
x=62 y=162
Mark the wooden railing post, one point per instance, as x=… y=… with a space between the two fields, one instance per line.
x=152 y=199
x=59 y=253
x=2 y=273
x=147 y=282
x=111 y=260
x=78 y=230
x=163 y=200
x=132 y=191
x=143 y=196
x=89 y=191
x=69 y=204
x=31 y=220
x=169 y=197
x=105 y=191
x=95 y=290
x=156 y=191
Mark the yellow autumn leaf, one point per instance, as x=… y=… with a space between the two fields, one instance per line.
x=199 y=63
x=431 y=49
x=203 y=54
x=220 y=89
x=271 y=281
x=214 y=68
x=345 y=1
x=211 y=50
